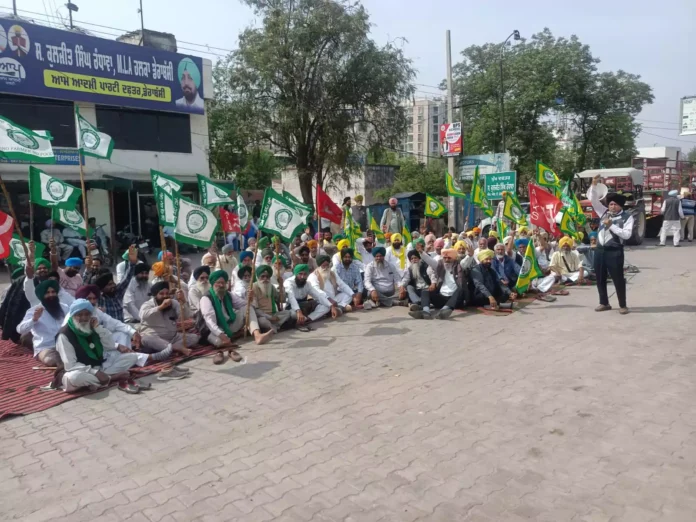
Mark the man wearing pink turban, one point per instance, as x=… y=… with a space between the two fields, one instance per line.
x=392 y=218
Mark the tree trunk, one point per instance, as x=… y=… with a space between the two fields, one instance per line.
x=304 y=174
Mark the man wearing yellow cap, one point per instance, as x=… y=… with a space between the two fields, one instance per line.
x=488 y=291
x=566 y=264
x=396 y=255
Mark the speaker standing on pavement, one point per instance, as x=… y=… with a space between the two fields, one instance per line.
x=615 y=227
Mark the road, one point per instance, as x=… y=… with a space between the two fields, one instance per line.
x=555 y=413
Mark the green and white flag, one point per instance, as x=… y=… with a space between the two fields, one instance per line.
x=72 y=219
x=90 y=141
x=48 y=191
x=242 y=212
x=18 y=143
x=308 y=209
x=194 y=224
x=281 y=216
x=212 y=194
x=166 y=189
x=17 y=256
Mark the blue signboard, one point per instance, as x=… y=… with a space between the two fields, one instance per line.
x=64 y=156
x=50 y=63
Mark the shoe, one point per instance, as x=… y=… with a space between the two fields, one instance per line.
x=219 y=358
x=677 y=246
x=444 y=313
x=180 y=369
x=369 y=305
x=347 y=309
x=128 y=388
x=171 y=375
x=427 y=316
x=358 y=307
x=602 y=308
x=401 y=302
x=661 y=244
x=234 y=355
x=141 y=385
x=416 y=314
x=415 y=308
x=623 y=311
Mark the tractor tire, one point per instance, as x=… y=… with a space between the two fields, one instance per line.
x=638 y=229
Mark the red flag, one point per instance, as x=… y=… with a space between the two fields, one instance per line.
x=543 y=208
x=6 y=228
x=230 y=221
x=327 y=209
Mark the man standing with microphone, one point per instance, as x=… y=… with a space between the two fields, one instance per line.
x=615 y=227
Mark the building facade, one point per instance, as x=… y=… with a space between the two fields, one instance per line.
x=149 y=100
x=423 y=135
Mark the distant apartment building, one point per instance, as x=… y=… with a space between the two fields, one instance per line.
x=423 y=134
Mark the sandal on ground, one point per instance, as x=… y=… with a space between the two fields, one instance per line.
x=219 y=358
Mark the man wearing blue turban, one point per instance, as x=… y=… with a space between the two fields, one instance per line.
x=189 y=76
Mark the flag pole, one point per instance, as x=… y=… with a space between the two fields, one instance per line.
x=31 y=219
x=178 y=288
x=84 y=206
x=163 y=244
x=253 y=268
x=14 y=217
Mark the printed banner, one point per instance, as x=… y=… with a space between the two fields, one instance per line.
x=51 y=63
x=451 y=139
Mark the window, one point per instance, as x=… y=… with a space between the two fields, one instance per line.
x=410 y=138
x=436 y=119
x=420 y=147
x=410 y=147
x=54 y=116
x=436 y=128
x=145 y=130
x=420 y=128
x=436 y=109
x=420 y=111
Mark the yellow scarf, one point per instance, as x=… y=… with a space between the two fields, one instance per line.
x=401 y=255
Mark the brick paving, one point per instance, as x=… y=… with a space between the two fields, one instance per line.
x=545 y=415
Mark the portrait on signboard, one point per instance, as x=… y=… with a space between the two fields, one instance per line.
x=190 y=80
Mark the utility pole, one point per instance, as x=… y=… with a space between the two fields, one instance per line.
x=142 y=24
x=14 y=7
x=453 y=210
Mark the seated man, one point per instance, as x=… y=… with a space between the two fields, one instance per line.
x=381 y=281
x=199 y=288
x=89 y=356
x=324 y=279
x=304 y=257
x=396 y=254
x=246 y=258
x=266 y=301
x=349 y=273
x=482 y=246
x=242 y=282
x=36 y=275
x=164 y=272
x=505 y=266
x=487 y=289
x=70 y=278
x=112 y=295
x=57 y=237
x=587 y=253
x=223 y=315
x=266 y=257
x=72 y=238
x=227 y=262
x=416 y=279
x=123 y=266
x=123 y=334
x=44 y=321
x=566 y=264
x=297 y=290
x=137 y=293
x=450 y=280
x=164 y=323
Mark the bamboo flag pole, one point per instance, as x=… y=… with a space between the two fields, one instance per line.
x=14 y=217
x=178 y=288
x=253 y=268
x=163 y=244
x=84 y=207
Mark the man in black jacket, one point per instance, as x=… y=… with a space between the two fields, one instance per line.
x=487 y=288
x=448 y=288
x=415 y=280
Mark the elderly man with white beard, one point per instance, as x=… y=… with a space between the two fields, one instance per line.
x=199 y=288
x=324 y=279
x=451 y=286
x=89 y=355
x=266 y=301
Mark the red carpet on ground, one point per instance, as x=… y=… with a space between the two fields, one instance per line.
x=20 y=386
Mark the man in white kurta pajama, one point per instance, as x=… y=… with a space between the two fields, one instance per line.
x=324 y=279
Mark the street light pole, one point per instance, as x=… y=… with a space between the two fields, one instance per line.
x=453 y=210
x=516 y=34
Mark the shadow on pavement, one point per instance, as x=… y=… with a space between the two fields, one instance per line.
x=662 y=309
x=253 y=370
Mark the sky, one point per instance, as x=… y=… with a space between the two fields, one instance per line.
x=656 y=40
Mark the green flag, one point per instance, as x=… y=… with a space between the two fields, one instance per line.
x=529 y=271
x=478 y=194
x=280 y=216
x=213 y=194
x=90 y=141
x=166 y=189
x=433 y=208
x=18 y=143
x=406 y=234
x=17 y=256
x=545 y=176
x=513 y=211
x=379 y=235
x=502 y=229
x=570 y=201
x=71 y=219
x=193 y=224
x=452 y=189
x=48 y=191
x=567 y=225
x=307 y=209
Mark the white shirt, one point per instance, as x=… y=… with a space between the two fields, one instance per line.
x=681 y=210
x=329 y=289
x=293 y=293
x=44 y=330
x=393 y=258
x=67 y=352
x=197 y=102
x=604 y=235
x=121 y=270
x=30 y=292
x=449 y=285
x=240 y=288
x=208 y=313
x=367 y=257
x=109 y=323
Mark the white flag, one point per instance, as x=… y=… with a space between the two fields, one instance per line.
x=281 y=216
x=212 y=194
x=242 y=212
x=90 y=141
x=194 y=224
x=18 y=143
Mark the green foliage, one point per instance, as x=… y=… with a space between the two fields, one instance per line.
x=691 y=155
x=548 y=80
x=313 y=84
x=413 y=176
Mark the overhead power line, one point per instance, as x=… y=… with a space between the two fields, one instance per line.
x=666 y=138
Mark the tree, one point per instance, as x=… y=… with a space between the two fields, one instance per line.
x=691 y=155
x=313 y=84
x=551 y=85
x=414 y=176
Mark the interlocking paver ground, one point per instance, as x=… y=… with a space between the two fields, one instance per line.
x=555 y=413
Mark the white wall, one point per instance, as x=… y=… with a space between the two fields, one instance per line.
x=98 y=208
x=337 y=191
